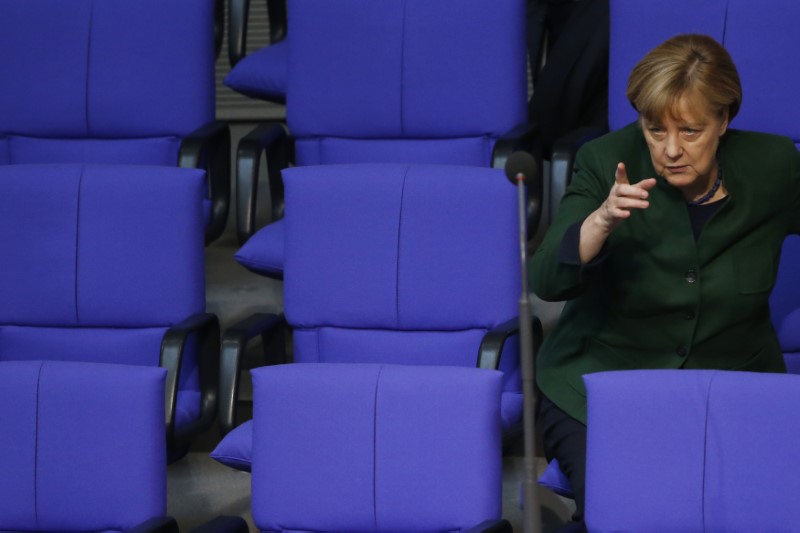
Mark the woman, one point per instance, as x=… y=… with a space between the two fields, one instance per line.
x=666 y=243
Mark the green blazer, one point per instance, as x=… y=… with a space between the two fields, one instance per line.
x=660 y=299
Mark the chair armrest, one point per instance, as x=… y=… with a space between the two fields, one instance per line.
x=238 y=18
x=278 y=25
x=523 y=138
x=224 y=524
x=271 y=139
x=209 y=147
x=493 y=342
x=219 y=26
x=238 y=13
x=520 y=137
x=491 y=526
x=206 y=327
x=562 y=161
x=271 y=328
x=156 y=525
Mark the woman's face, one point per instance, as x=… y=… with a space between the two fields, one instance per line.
x=683 y=147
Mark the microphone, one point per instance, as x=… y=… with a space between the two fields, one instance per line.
x=522 y=170
x=522 y=166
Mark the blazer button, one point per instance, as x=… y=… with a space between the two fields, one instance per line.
x=690 y=315
x=681 y=351
x=691 y=276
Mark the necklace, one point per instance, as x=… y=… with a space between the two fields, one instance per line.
x=710 y=194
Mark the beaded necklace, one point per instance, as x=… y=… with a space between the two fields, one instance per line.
x=710 y=194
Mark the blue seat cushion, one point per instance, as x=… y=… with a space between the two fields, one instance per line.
x=262 y=74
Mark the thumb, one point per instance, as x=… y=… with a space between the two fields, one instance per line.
x=621 y=175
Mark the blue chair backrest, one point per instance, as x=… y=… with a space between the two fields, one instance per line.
x=662 y=20
x=760 y=36
x=414 y=268
x=762 y=39
x=673 y=450
x=404 y=81
x=82 y=446
x=90 y=275
x=415 y=448
x=112 y=81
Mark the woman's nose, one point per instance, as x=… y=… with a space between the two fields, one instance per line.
x=673 y=147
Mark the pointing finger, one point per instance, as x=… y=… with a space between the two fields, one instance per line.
x=621 y=175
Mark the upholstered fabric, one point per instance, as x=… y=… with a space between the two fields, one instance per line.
x=370 y=443
x=686 y=450
x=397 y=71
x=263 y=252
x=88 y=275
x=82 y=446
x=414 y=268
x=262 y=74
x=5 y=157
x=139 y=346
x=72 y=75
x=626 y=48
x=161 y=151
x=78 y=239
x=470 y=151
x=789 y=337
x=752 y=33
x=386 y=82
x=419 y=263
x=554 y=479
x=236 y=448
x=785 y=297
x=404 y=251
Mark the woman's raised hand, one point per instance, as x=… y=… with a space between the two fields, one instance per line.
x=622 y=198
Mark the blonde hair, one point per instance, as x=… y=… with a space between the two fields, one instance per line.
x=683 y=65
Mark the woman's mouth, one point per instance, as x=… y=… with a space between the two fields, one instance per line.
x=677 y=169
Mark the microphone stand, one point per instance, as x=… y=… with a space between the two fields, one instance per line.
x=531 y=513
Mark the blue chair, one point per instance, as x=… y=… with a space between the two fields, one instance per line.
x=82 y=448
x=398 y=82
x=114 y=82
x=419 y=267
x=680 y=450
x=372 y=447
x=90 y=275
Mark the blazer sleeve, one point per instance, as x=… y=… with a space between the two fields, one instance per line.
x=551 y=277
x=794 y=215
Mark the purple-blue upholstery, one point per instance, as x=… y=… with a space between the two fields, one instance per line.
x=784 y=303
x=375 y=448
x=401 y=81
x=692 y=451
x=789 y=337
x=109 y=82
x=662 y=20
x=398 y=264
x=263 y=252
x=262 y=74
x=82 y=446
x=414 y=69
x=401 y=264
x=89 y=275
x=753 y=32
x=749 y=31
